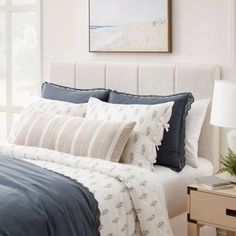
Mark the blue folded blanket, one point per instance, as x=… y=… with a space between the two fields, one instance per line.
x=37 y=202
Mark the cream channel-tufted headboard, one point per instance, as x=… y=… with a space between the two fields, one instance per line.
x=148 y=79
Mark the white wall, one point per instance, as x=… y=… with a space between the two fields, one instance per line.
x=202 y=33
x=234 y=37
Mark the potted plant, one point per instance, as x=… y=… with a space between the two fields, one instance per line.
x=229 y=165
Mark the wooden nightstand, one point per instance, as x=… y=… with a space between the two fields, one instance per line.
x=211 y=207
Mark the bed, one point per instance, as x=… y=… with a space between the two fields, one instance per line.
x=140 y=78
x=154 y=78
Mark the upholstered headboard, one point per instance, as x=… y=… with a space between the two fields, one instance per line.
x=148 y=79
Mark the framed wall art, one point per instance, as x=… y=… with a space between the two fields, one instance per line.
x=130 y=26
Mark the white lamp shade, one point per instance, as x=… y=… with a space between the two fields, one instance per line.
x=223 y=112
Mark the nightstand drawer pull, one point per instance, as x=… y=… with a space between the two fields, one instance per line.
x=230 y=212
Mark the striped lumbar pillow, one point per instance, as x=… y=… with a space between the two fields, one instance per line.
x=75 y=135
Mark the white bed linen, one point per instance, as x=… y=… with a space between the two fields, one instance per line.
x=127 y=201
x=175 y=184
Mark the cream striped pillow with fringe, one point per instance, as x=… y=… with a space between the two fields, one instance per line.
x=75 y=135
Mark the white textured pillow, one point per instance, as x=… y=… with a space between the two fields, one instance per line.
x=140 y=151
x=151 y=120
x=194 y=122
x=46 y=105
x=75 y=135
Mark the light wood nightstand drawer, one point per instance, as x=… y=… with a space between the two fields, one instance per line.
x=213 y=209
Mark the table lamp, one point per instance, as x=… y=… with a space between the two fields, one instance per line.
x=223 y=112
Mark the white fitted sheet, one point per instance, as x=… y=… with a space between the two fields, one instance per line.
x=175 y=184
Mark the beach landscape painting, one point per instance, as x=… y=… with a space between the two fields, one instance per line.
x=130 y=26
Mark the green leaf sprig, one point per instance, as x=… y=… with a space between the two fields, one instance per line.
x=228 y=163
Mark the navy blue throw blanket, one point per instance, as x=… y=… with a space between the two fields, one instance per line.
x=37 y=202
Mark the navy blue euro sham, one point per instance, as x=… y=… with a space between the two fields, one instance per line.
x=37 y=202
x=171 y=152
x=66 y=94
